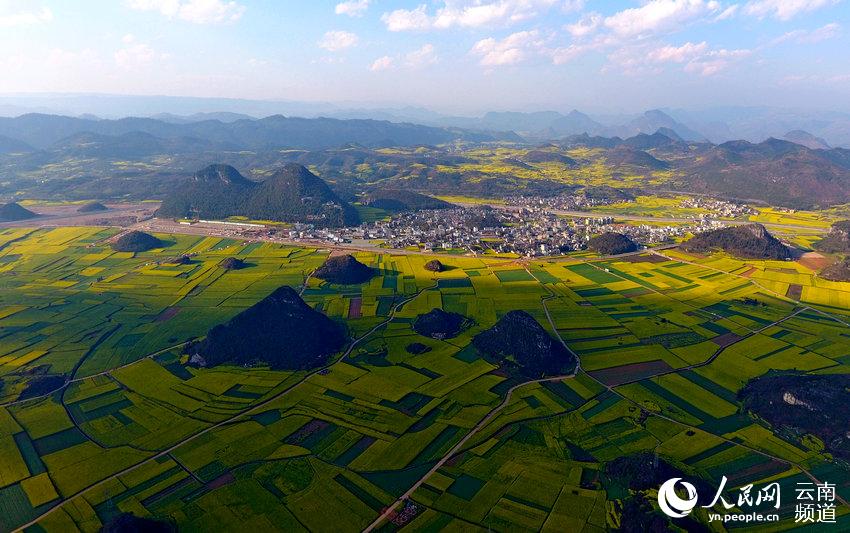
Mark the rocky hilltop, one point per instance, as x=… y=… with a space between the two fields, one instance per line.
x=750 y=241
x=838 y=238
x=816 y=404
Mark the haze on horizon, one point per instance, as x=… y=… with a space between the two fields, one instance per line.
x=449 y=55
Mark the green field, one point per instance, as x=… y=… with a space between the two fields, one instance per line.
x=125 y=426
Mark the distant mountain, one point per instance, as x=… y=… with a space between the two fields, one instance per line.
x=291 y=194
x=274 y=132
x=13 y=212
x=201 y=117
x=655 y=119
x=775 y=171
x=806 y=139
x=643 y=141
x=127 y=145
x=537 y=125
x=590 y=141
x=9 y=145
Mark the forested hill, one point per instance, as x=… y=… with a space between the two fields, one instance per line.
x=290 y=194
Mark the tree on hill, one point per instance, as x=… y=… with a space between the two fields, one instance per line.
x=750 y=241
x=280 y=330
x=518 y=341
x=136 y=241
x=232 y=263
x=610 y=243
x=13 y=211
x=344 y=270
x=439 y=324
x=434 y=265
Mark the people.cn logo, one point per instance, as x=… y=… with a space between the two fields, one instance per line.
x=670 y=502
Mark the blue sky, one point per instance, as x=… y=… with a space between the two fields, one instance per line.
x=450 y=55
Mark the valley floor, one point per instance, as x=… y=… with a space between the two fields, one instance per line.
x=383 y=438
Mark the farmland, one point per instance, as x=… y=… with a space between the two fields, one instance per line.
x=99 y=414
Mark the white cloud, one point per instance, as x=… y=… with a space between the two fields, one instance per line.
x=513 y=49
x=469 y=14
x=16 y=13
x=658 y=16
x=61 y=58
x=426 y=55
x=784 y=9
x=135 y=55
x=195 y=11
x=334 y=41
x=810 y=36
x=352 y=8
x=585 y=26
x=697 y=58
x=421 y=57
x=407 y=19
x=382 y=63
x=572 y=6
x=677 y=54
x=727 y=13
x=714 y=61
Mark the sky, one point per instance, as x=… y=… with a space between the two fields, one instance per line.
x=448 y=55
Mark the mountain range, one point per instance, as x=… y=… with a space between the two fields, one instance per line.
x=716 y=124
x=43 y=132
